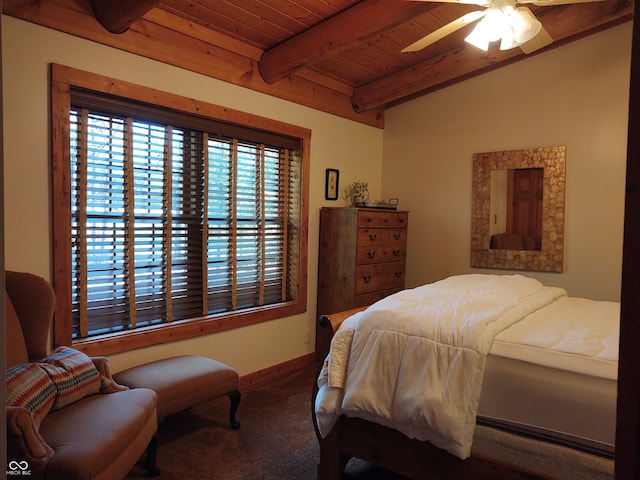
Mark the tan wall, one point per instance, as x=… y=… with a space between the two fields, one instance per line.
x=335 y=143
x=575 y=95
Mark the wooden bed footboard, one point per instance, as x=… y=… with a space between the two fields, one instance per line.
x=327 y=326
x=388 y=448
x=334 y=320
x=393 y=451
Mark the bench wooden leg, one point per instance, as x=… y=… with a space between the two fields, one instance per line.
x=235 y=401
x=150 y=458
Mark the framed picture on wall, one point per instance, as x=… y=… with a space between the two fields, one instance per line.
x=331 y=184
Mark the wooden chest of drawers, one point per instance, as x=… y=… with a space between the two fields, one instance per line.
x=362 y=258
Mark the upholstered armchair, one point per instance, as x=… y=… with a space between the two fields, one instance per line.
x=66 y=416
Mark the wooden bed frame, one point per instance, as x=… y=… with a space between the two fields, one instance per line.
x=390 y=449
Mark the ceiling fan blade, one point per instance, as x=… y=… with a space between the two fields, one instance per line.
x=442 y=32
x=482 y=3
x=548 y=3
x=541 y=40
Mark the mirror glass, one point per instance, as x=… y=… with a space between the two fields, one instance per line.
x=518 y=209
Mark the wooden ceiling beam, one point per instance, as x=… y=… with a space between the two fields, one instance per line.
x=574 y=21
x=118 y=15
x=171 y=40
x=336 y=34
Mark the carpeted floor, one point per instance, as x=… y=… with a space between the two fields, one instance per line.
x=276 y=440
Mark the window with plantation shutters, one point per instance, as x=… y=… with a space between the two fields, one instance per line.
x=177 y=218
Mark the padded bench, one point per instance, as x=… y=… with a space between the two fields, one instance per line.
x=184 y=381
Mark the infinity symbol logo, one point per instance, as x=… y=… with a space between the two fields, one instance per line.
x=15 y=465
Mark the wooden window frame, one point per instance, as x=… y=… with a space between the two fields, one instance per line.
x=63 y=80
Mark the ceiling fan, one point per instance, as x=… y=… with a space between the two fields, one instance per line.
x=501 y=20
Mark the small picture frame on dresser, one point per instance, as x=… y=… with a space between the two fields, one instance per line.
x=332 y=177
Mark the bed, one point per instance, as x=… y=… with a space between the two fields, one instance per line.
x=446 y=381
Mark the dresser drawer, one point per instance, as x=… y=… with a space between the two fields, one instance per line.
x=368 y=219
x=381 y=236
x=381 y=276
x=381 y=253
x=370 y=298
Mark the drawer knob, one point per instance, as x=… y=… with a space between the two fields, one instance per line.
x=371 y=254
x=396 y=253
x=373 y=236
x=369 y=219
x=398 y=274
x=386 y=220
x=397 y=236
x=367 y=279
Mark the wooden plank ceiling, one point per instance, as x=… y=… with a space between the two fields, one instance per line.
x=339 y=56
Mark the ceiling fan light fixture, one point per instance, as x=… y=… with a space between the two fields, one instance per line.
x=508 y=39
x=478 y=38
x=525 y=25
x=493 y=24
x=489 y=29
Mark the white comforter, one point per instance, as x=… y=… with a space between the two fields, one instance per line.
x=414 y=361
